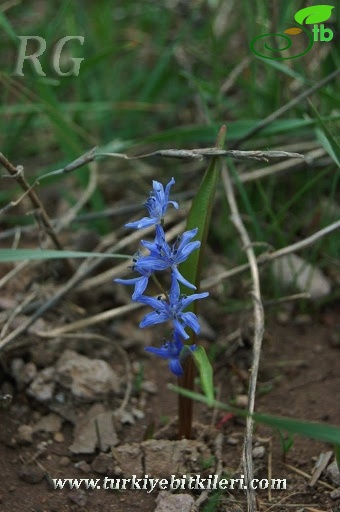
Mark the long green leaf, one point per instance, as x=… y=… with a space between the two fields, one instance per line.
x=11 y=255
x=205 y=371
x=320 y=431
x=200 y=215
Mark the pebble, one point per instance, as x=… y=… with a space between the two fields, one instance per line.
x=241 y=401
x=87 y=378
x=149 y=387
x=294 y=272
x=64 y=461
x=126 y=418
x=259 y=452
x=24 y=434
x=23 y=373
x=232 y=441
x=78 y=497
x=335 y=494
x=49 y=423
x=138 y=414
x=31 y=474
x=43 y=385
x=167 y=502
x=59 y=437
x=101 y=463
x=334 y=339
x=333 y=473
x=83 y=466
x=283 y=317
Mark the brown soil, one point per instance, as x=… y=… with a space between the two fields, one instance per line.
x=299 y=377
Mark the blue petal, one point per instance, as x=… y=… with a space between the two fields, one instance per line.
x=176 y=367
x=153 y=318
x=188 y=300
x=180 y=329
x=182 y=279
x=145 y=222
x=162 y=352
x=190 y=319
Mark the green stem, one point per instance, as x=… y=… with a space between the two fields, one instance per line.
x=192 y=271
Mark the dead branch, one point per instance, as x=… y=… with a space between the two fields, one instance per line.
x=258 y=334
x=17 y=174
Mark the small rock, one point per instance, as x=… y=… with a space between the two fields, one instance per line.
x=126 y=418
x=138 y=414
x=283 y=317
x=167 y=502
x=43 y=385
x=95 y=428
x=232 y=441
x=88 y=379
x=241 y=401
x=128 y=460
x=302 y=320
x=258 y=452
x=49 y=423
x=101 y=463
x=24 y=434
x=149 y=387
x=31 y=474
x=83 y=466
x=294 y=272
x=333 y=473
x=163 y=457
x=59 y=437
x=23 y=373
x=78 y=497
x=334 y=339
x=64 y=461
x=335 y=494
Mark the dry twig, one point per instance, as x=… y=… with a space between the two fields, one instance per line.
x=41 y=214
x=258 y=334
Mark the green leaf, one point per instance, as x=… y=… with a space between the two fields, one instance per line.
x=337 y=454
x=205 y=370
x=325 y=137
x=314 y=14
x=286 y=443
x=7 y=28
x=319 y=431
x=11 y=255
x=200 y=216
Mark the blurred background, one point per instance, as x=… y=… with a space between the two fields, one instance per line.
x=159 y=75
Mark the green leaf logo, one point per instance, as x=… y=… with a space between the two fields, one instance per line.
x=313 y=14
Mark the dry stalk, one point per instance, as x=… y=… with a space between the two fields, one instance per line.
x=41 y=214
x=258 y=333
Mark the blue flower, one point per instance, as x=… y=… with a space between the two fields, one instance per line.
x=172 y=350
x=157 y=205
x=162 y=256
x=172 y=310
x=141 y=282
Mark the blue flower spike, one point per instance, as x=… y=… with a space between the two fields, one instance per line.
x=163 y=257
x=172 y=350
x=157 y=205
x=172 y=310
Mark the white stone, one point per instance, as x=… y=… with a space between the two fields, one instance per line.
x=43 y=385
x=167 y=502
x=294 y=272
x=88 y=379
x=333 y=473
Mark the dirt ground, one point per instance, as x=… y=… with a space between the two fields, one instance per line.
x=299 y=377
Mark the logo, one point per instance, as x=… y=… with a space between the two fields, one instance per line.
x=55 y=60
x=314 y=15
